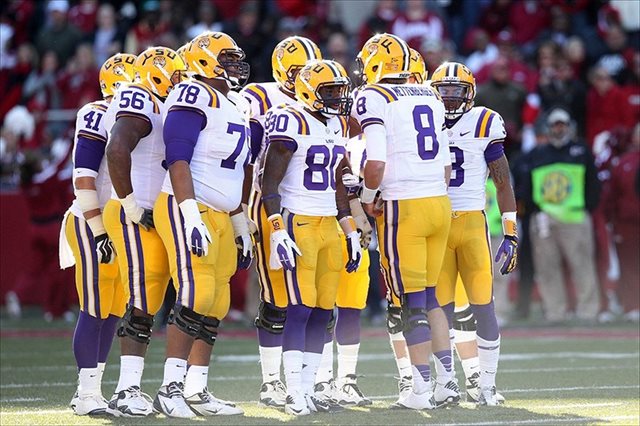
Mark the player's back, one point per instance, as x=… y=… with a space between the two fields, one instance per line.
x=222 y=150
x=147 y=170
x=417 y=149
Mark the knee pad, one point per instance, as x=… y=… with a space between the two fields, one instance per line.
x=270 y=318
x=137 y=327
x=394 y=319
x=332 y=322
x=463 y=320
x=413 y=318
x=209 y=330
x=186 y=320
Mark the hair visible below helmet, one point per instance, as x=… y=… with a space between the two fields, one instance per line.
x=384 y=56
x=159 y=69
x=446 y=78
x=321 y=76
x=216 y=55
x=417 y=67
x=288 y=58
x=116 y=70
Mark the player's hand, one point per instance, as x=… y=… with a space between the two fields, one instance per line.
x=136 y=214
x=509 y=251
x=350 y=181
x=196 y=232
x=283 y=251
x=362 y=222
x=104 y=248
x=372 y=209
x=354 y=252
x=243 y=240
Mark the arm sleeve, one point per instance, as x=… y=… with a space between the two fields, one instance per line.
x=376 y=142
x=493 y=151
x=181 y=131
x=88 y=155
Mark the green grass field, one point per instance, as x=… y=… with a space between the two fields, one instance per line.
x=560 y=376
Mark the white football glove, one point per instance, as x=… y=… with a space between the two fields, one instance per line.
x=354 y=251
x=362 y=222
x=350 y=181
x=196 y=232
x=283 y=248
x=243 y=240
x=135 y=213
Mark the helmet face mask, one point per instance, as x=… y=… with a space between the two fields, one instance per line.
x=453 y=96
x=334 y=98
x=456 y=86
x=236 y=68
x=216 y=55
x=323 y=86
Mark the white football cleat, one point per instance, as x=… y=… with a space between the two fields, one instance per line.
x=447 y=394
x=489 y=397
x=473 y=389
x=405 y=387
x=325 y=390
x=296 y=404
x=89 y=405
x=318 y=404
x=414 y=401
x=205 y=404
x=273 y=394
x=130 y=402
x=348 y=393
x=170 y=401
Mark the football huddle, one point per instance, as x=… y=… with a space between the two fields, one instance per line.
x=183 y=175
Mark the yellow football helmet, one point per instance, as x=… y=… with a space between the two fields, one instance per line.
x=115 y=70
x=159 y=69
x=181 y=51
x=457 y=87
x=417 y=67
x=216 y=55
x=324 y=86
x=288 y=58
x=384 y=56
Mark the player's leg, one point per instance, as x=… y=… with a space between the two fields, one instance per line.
x=325 y=384
x=476 y=271
x=271 y=312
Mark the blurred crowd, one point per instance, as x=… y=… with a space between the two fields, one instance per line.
x=529 y=57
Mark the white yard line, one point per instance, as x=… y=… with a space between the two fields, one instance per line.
x=586 y=419
x=10 y=400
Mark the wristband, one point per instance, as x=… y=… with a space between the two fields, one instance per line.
x=87 y=200
x=96 y=225
x=348 y=225
x=509 y=224
x=368 y=195
x=275 y=222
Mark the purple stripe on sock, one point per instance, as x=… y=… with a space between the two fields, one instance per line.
x=348 y=326
x=445 y=359
x=269 y=340
x=486 y=322
x=107 y=332
x=316 y=330
x=489 y=348
x=449 y=310
x=432 y=300
x=425 y=371
x=295 y=327
x=86 y=339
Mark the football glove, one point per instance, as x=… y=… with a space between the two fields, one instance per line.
x=350 y=181
x=509 y=247
x=283 y=248
x=243 y=240
x=196 y=232
x=354 y=252
x=362 y=222
x=136 y=214
x=104 y=248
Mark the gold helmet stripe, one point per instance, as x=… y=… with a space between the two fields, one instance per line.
x=406 y=54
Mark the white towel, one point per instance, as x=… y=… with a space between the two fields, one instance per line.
x=65 y=253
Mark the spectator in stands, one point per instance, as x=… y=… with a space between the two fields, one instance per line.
x=386 y=12
x=622 y=206
x=12 y=79
x=527 y=19
x=484 y=52
x=40 y=91
x=505 y=97
x=618 y=56
x=560 y=29
x=631 y=88
x=208 y=20
x=563 y=190
x=245 y=30
x=417 y=24
x=59 y=35
x=495 y=18
x=84 y=16
x=574 y=51
x=18 y=127
x=338 y=50
x=79 y=80
x=148 y=30
x=108 y=39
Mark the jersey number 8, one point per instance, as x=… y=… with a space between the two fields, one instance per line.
x=423 y=123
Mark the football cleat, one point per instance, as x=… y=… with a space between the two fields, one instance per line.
x=325 y=390
x=296 y=405
x=348 y=393
x=273 y=394
x=447 y=394
x=90 y=405
x=170 y=401
x=405 y=387
x=489 y=397
x=130 y=402
x=414 y=401
x=205 y=404
x=318 y=404
x=473 y=389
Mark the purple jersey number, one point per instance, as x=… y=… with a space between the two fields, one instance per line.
x=328 y=158
x=425 y=132
x=131 y=98
x=189 y=94
x=230 y=161
x=88 y=119
x=456 y=166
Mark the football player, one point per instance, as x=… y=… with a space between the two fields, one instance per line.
x=302 y=187
x=412 y=179
x=476 y=135
x=288 y=57
x=101 y=295
x=206 y=142
x=135 y=156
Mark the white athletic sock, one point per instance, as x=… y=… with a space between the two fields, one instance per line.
x=404 y=363
x=196 y=380
x=88 y=381
x=292 y=363
x=270 y=363
x=420 y=385
x=325 y=370
x=464 y=336
x=131 y=367
x=452 y=343
x=488 y=355
x=101 y=367
x=470 y=366
x=174 y=370
x=347 y=359
x=442 y=375
x=310 y=364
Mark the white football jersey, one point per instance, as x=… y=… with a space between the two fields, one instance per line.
x=147 y=159
x=417 y=148
x=356 y=149
x=309 y=184
x=222 y=149
x=469 y=138
x=90 y=124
